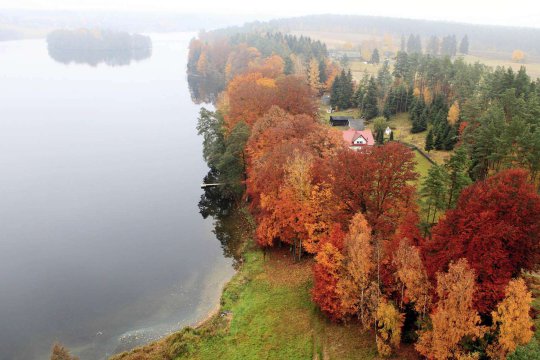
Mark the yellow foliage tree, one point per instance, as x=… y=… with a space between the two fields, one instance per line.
x=454 y=317
x=59 y=352
x=202 y=64
x=518 y=55
x=428 y=97
x=511 y=320
x=389 y=324
x=358 y=262
x=314 y=76
x=453 y=113
x=411 y=273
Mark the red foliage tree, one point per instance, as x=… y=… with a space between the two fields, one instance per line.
x=495 y=226
x=376 y=183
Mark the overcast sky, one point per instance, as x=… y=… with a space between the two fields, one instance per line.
x=516 y=12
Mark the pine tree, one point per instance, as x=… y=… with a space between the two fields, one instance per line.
x=458 y=168
x=464 y=45
x=371 y=108
x=432 y=47
x=429 y=141
x=375 y=58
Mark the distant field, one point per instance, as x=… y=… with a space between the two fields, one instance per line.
x=337 y=39
x=533 y=68
x=358 y=69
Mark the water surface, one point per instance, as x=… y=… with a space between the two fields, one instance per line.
x=102 y=246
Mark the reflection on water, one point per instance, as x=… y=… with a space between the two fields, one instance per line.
x=92 y=57
x=221 y=204
x=205 y=89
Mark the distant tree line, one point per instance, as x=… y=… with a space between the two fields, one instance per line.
x=96 y=40
x=484 y=37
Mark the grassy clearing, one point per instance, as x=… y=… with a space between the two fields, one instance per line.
x=401 y=125
x=359 y=68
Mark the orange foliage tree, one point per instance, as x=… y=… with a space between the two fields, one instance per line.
x=454 y=317
x=412 y=275
x=251 y=95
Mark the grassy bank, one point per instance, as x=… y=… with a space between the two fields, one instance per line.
x=266 y=313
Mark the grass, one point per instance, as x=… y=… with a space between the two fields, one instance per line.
x=401 y=125
x=359 y=68
x=268 y=315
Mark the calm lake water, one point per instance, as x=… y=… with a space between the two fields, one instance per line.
x=102 y=246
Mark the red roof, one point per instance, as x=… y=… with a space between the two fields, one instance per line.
x=349 y=136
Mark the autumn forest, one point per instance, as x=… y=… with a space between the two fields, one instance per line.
x=442 y=261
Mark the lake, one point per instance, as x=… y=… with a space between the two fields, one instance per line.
x=102 y=246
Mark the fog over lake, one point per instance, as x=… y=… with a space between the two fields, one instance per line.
x=102 y=246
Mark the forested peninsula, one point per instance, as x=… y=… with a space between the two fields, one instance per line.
x=366 y=252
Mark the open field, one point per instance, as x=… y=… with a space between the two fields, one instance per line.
x=533 y=68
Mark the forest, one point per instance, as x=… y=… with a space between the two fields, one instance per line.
x=440 y=265
x=95 y=46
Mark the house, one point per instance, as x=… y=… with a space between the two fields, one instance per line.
x=325 y=99
x=339 y=120
x=357 y=139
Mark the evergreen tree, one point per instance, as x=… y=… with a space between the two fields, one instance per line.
x=379 y=126
x=391 y=136
x=429 y=141
x=434 y=193
x=457 y=167
x=403 y=45
x=464 y=45
x=289 y=66
x=371 y=108
x=449 y=46
x=402 y=65
x=432 y=47
x=384 y=79
x=322 y=72
x=375 y=58
x=419 y=116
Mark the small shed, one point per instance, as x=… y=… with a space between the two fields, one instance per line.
x=325 y=99
x=339 y=120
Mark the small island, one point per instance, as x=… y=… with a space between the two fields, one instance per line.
x=94 y=46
